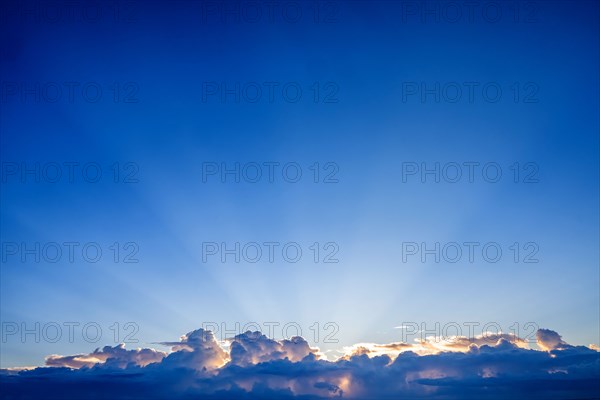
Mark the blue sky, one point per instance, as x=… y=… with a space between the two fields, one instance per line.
x=166 y=125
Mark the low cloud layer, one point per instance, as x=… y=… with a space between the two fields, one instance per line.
x=251 y=365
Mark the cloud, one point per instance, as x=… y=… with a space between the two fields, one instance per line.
x=197 y=350
x=254 y=347
x=116 y=356
x=433 y=345
x=252 y=366
x=550 y=340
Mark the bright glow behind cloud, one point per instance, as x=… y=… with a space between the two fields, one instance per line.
x=252 y=365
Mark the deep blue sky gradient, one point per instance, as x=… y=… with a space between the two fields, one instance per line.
x=168 y=52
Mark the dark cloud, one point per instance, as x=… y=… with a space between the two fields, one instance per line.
x=258 y=367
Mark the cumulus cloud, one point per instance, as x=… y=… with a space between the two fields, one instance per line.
x=250 y=366
x=433 y=345
x=197 y=350
x=550 y=340
x=254 y=347
x=116 y=356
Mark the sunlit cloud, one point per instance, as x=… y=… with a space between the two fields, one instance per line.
x=251 y=365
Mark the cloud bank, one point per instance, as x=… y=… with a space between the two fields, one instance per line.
x=252 y=366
